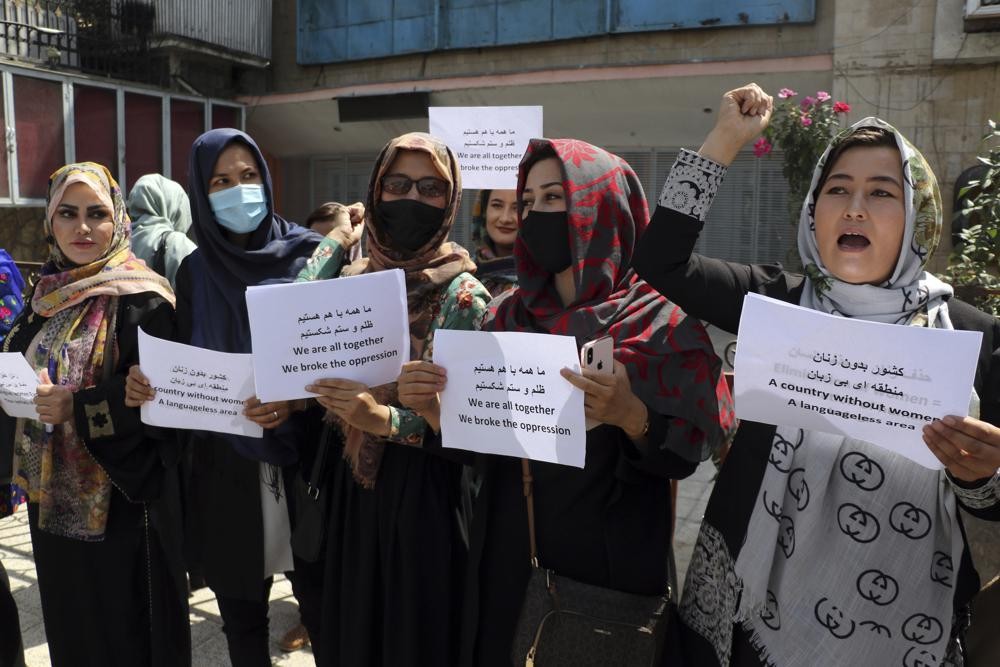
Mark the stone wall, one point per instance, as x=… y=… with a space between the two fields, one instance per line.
x=22 y=233
x=915 y=67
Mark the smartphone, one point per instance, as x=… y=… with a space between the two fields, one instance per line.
x=598 y=356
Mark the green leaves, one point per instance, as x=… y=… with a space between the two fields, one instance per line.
x=974 y=265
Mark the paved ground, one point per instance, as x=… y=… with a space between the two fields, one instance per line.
x=208 y=644
x=206 y=625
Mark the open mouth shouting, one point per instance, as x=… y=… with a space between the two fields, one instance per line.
x=852 y=241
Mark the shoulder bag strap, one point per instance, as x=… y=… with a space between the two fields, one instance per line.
x=529 y=499
x=319 y=463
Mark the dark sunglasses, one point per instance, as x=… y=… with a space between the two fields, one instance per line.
x=397 y=184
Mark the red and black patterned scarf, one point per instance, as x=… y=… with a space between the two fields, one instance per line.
x=670 y=360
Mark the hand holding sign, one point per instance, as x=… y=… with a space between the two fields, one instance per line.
x=608 y=398
x=419 y=386
x=137 y=388
x=354 y=404
x=968 y=447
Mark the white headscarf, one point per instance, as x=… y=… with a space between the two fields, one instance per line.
x=910 y=289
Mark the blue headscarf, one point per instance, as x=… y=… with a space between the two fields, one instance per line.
x=11 y=289
x=221 y=272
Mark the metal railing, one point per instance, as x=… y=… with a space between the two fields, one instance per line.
x=241 y=26
x=103 y=37
x=121 y=38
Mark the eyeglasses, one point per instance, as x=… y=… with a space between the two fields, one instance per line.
x=398 y=184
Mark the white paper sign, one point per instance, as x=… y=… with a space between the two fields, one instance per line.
x=505 y=395
x=353 y=328
x=196 y=388
x=17 y=386
x=489 y=141
x=875 y=382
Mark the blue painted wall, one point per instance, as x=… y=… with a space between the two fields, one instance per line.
x=332 y=31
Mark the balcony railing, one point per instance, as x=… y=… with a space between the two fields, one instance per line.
x=240 y=26
x=126 y=38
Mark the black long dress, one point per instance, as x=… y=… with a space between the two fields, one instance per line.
x=607 y=524
x=11 y=650
x=122 y=600
x=394 y=562
x=224 y=531
x=713 y=290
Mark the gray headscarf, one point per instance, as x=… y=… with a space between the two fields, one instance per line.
x=161 y=217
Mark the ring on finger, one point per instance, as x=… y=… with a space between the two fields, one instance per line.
x=274 y=415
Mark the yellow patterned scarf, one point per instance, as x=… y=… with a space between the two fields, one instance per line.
x=81 y=306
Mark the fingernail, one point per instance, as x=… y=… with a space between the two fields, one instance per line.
x=949 y=420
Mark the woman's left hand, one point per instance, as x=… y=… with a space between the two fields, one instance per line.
x=54 y=402
x=353 y=403
x=969 y=448
x=609 y=399
x=268 y=415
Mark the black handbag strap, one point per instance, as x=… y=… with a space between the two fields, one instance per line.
x=529 y=499
x=319 y=463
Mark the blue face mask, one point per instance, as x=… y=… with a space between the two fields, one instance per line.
x=239 y=209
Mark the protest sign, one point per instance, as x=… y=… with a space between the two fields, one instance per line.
x=875 y=382
x=196 y=388
x=17 y=386
x=489 y=141
x=354 y=328
x=505 y=395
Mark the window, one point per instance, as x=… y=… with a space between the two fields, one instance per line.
x=95 y=123
x=225 y=116
x=4 y=147
x=54 y=119
x=187 y=123
x=982 y=15
x=41 y=143
x=143 y=137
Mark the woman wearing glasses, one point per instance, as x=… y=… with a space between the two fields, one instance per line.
x=394 y=553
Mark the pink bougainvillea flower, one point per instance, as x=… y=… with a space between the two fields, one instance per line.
x=807 y=102
x=841 y=107
x=785 y=93
x=822 y=96
x=762 y=147
x=806 y=121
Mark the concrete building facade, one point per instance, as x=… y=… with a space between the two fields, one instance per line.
x=642 y=92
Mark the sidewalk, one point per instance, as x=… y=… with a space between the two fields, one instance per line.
x=207 y=641
x=208 y=644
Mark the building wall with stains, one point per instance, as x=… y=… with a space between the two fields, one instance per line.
x=915 y=65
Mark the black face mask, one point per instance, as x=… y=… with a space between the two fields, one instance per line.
x=410 y=224
x=547 y=236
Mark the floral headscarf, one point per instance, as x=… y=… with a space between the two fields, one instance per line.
x=11 y=289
